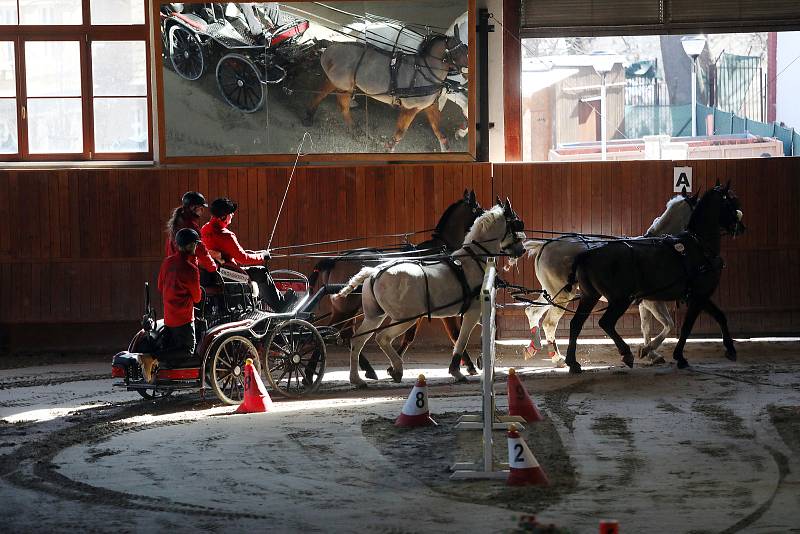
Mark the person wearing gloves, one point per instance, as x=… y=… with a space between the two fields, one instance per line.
x=220 y=240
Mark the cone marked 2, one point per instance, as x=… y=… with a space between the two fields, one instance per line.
x=415 y=410
x=256 y=398
x=524 y=469
x=519 y=402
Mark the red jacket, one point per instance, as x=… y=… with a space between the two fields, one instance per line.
x=187 y=219
x=216 y=236
x=179 y=283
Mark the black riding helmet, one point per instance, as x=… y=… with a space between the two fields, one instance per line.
x=186 y=236
x=193 y=198
x=222 y=207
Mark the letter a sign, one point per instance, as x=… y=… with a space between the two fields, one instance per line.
x=682 y=177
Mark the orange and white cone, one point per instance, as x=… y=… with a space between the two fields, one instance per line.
x=256 y=398
x=415 y=410
x=524 y=469
x=519 y=402
x=609 y=526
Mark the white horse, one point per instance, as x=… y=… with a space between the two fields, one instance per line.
x=403 y=291
x=554 y=260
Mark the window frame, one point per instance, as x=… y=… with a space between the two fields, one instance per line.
x=85 y=34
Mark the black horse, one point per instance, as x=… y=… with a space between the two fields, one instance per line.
x=682 y=267
x=447 y=237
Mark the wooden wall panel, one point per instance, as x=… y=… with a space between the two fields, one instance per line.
x=77 y=245
x=760 y=287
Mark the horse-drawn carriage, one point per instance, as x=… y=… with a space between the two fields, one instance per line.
x=247 y=59
x=231 y=325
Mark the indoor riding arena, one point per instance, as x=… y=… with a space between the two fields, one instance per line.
x=400 y=266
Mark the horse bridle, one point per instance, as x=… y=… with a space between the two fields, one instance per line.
x=513 y=227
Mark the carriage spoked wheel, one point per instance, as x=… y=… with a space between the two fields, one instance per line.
x=295 y=358
x=185 y=53
x=227 y=368
x=154 y=394
x=240 y=83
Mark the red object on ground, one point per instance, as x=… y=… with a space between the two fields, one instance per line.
x=415 y=410
x=519 y=402
x=256 y=398
x=524 y=469
x=609 y=526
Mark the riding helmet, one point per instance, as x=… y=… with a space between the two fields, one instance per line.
x=193 y=198
x=186 y=236
x=222 y=207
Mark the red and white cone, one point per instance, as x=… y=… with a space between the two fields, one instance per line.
x=519 y=402
x=256 y=398
x=535 y=345
x=609 y=526
x=415 y=410
x=524 y=469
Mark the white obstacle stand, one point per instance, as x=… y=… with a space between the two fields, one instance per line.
x=489 y=419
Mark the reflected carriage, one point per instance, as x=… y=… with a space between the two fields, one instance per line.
x=197 y=34
x=232 y=324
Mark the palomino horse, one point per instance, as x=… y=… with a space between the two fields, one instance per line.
x=404 y=291
x=684 y=267
x=412 y=82
x=448 y=236
x=554 y=259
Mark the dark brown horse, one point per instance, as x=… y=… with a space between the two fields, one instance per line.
x=448 y=236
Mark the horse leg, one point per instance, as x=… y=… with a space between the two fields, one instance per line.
x=608 y=322
x=408 y=339
x=346 y=333
x=550 y=325
x=404 y=119
x=433 y=114
x=344 y=107
x=585 y=306
x=714 y=311
x=384 y=339
x=452 y=326
x=470 y=319
x=654 y=310
x=692 y=311
x=326 y=89
x=534 y=313
x=357 y=343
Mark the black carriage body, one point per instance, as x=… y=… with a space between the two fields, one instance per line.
x=204 y=39
x=232 y=326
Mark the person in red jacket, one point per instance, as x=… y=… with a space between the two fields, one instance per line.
x=179 y=284
x=187 y=215
x=217 y=237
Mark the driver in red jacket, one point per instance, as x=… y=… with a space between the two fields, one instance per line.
x=187 y=215
x=218 y=238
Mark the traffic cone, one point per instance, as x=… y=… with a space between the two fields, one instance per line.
x=256 y=398
x=415 y=410
x=609 y=526
x=525 y=470
x=519 y=402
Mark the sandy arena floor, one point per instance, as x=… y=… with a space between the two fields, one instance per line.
x=711 y=449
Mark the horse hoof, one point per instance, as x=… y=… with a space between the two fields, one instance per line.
x=558 y=360
x=479 y=362
x=471 y=370
x=397 y=377
x=657 y=359
x=731 y=355
x=682 y=363
x=456 y=373
x=529 y=352
x=575 y=369
x=361 y=385
x=371 y=374
x=643 y=351
x=628 y=360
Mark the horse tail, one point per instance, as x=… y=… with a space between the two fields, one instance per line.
x=357 y=280
x=325 y=265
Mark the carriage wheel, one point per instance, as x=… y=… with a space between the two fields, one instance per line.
x=227 y=368
x=154 y=394
x=185 y=53
x=295 y=358
x=239 y=82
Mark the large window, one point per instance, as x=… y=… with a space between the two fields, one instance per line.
x=74 y=81
x=719 y=95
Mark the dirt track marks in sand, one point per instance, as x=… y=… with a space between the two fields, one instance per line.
x=428 y=452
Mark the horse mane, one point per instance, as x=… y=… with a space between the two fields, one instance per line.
x=484 y=222
x=446 y=215
x=428 y=42
x=657 y=221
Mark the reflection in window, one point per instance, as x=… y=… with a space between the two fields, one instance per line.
x=8 y=126
x=117 y=12
x=51 y=12
x=8 y=12
x=53 y=68
x=119 y=68
x=646 y=98
x=120 y=125
x=54 y=125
